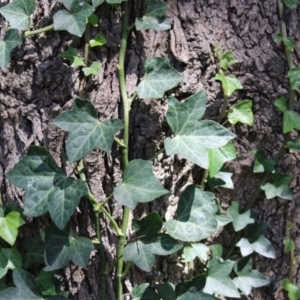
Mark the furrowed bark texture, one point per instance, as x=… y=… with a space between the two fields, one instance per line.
x=38 y=85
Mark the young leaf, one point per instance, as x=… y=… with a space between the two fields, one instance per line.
x=294 y=76
x=47 y=187
x=288 y=42
x=9 y=226
x=294 y=145
x=240 y=221
x=85 y=130
x=74 y=20
x=166 y=290
x=279 y=187
x=229 y=83
x=149 y=225
x=94 y=69
x=10 y=41
x=191 y=251
x=18 y=13
x=218 y=280
x=34 y=248
x=9 y=259
x=193 y=136
x=93 y=20
x=241 y=112
x=61 y=246
x=222 y=179
x=289 y=245
x=139 y=184
x=291 y=4
x=226 y=60
x=248 y=278
x=142 y=292
x=218 y=156
x=159 y=77
x=293 y=289
x=71 y=55
x=99 y=40
x=262 y=164
x=196 y=216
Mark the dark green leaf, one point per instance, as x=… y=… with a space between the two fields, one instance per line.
x=159 y=77
x=166 y=290
x=294 y=145
x=289 y=245
x=294 y=76
x=293 y=289
x=193 y=136
x=94 y=69
x=93 y=20
x=218 y=280
x=229 y=83
x=10 y=41
x=291 y=4
x=248 y=278
x=240 y=220
x=99 y=40
x=241 y=112
x=71 y=55
x=74 y=20
x=34 y=252
x=45 y=282
x=47 y=187
x=196 y=216
x=61 y=246
x=85 y=130
x=9 y=260
x=222 y=179
x=288 y=42
x=262 y=164
x=142 y=292
x=191 y=251
x=226 y=60
x=279 y=187
x=139 y=184
x=149 y=225
x=18 y=13
x=162 y=244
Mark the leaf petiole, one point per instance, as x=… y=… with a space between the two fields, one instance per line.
x=38 y=31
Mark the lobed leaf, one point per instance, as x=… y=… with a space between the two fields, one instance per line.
x=9 y=259
x=191 y=251
x=226 y=60
x=229 y=83
x=241 y=112
x=94 y=69
x=294 y=145
x=34 y=252
x=99 y=40
x=288 y=42
x=293 y=289
x=261 y=163
x=222 y=179
x=294 y=76
x=149 y=225
x=240 y=220
x=72 y=56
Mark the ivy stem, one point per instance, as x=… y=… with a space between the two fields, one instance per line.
x=125 y=159
x=38 y=31
x=156 y=155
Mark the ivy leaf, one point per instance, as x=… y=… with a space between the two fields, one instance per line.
x=34 y=252
x=99 y=40
x=74 y=20
x=46 y=186
x=142 y=252
x=289 y=245
x=9 y=259
x=218 y=280
x=18 y=13
x=191 y=251
x=85 y=130
x=61 y=246
x=223 y=219
x=248 y=278
x=294 y=76
x=262 y=164
x=279 y=187
x=9 y=226
x=288 y=42
x=142 y=292
x=196 y=216
x=94 y=69
x=149 y=225
x=240 y=220
x=222 y=179
x=192 y=136
x=10 y=41
x=293 y=289
x=93 y=20
x=139 y=184
x=256 y=242
x=241 y=112
x=115 y=1
x=71 y=55
x=291 y=4
x=218 y=156
x=226 y=60
x=294 y=145
x=96 y=3
x=159 y=77
x=229 y=83
x=166 y=290
x=45 y=282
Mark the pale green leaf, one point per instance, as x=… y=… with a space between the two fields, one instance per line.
x=191 y=251
x=293 y=289
x=96 y=3
x=223 y=219
x=222 y=179
x=94 y=69
x=226 y=60
x=240 y=220
x=71 y=55
x=289 y=245
x=294 y=76
x=9 y=259
x=99 y=40
x=229 y=83
x=241 y=112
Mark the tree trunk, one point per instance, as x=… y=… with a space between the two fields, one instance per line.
x=38 y=85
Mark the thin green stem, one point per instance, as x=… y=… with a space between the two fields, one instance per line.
x=38 y=31
x=156 y=155
x=119 y=142
x=127 y=269
x=113 y=222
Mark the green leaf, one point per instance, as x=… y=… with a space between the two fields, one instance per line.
x=45 y=282
x=142 y=252
x=294 y=76
x=139 y=184
x=289 y=245
x=240 y=220
x=248 y=278
x=96 y=3
x=18 y=13
x=71 y=55
x=192 y=290
x=226 y=60
x=9 y=226
x=262 y=164
x=196 y=216
x=159 y=77
x=293 y=289
x=166 y=290
x=34 y=252
x=47 y=187
x=191 y=251
x=279 y=187
x=223 y=219
x=115 y=1
x=149 y=225
x=229 y=83
x=294 y=145
x=94 y=69
x=61 y=246
x=99 y=40
x=291 y=4
x=74 y=20
x=218 y=280
x=288 y=42
x=241 y=112
x=85 y=130
x=218 y=156
x=216 y=251
x=93 y=20
x=142 y=292
x=9 y=260
x=10 y=41
x=222 y=179
x=193 y=136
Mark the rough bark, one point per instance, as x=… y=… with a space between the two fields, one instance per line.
x=39 y=85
